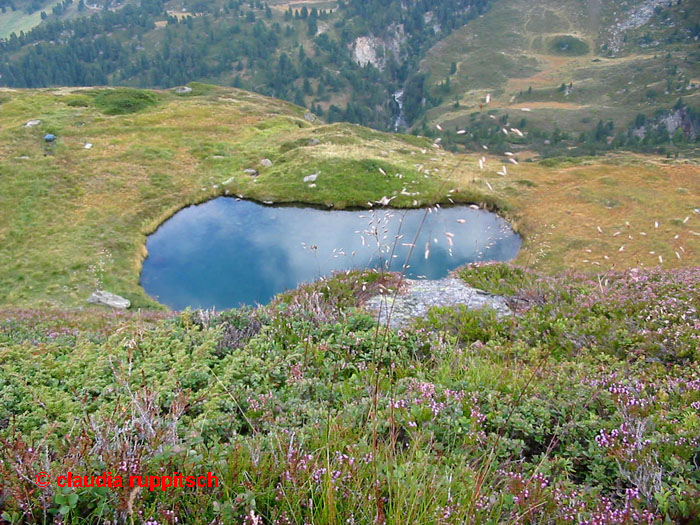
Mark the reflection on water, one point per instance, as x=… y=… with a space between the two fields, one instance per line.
x=228 y=252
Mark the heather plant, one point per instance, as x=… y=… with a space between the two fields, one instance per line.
x=583 y=406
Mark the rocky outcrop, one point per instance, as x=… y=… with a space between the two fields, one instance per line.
x=417 y=297
x=633 y=19
x=109 y=299
x=375 y=50
x=365 y=51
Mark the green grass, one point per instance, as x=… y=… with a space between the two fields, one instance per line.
x=17 y=21
x=122 y=101
x=73 y=219
x=479 y=418
x=65 y=208
x=567 y=45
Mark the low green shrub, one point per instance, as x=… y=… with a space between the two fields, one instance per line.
x=121 y=101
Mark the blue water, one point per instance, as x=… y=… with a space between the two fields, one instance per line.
x=228 y=252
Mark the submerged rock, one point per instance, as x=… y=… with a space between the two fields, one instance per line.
x=109 y=299
x=420 y=295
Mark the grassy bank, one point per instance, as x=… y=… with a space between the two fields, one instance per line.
x=73 y=219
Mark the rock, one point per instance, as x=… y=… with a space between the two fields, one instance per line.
x=365 y=51
x=309 y=117
x=88 y=145
x=109 y=299
x=314 y=142
x=251 y=172
x=49 y=137
x=311 y=178
x=183 y=90
x=267 y=163
x=32 y=123
x=418 y=296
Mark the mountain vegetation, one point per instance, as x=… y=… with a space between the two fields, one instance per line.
x=577 y=401
x=391 y=64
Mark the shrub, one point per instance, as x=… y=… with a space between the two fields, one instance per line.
x=121 y=101
x=568 y=45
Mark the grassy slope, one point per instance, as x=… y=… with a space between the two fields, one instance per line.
x=63 y=205
x=560 y=208
x=509 y=49
x=16 y=21
x=66 y=211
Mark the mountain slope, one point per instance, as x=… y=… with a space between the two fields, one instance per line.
x=388 y=65
x=566 y=66
x=124 y=160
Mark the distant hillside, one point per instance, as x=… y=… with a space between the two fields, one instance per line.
x=321 y=55
x=573 y=75
x=394 y=65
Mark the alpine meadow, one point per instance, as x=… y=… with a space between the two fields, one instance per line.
x=158 y=153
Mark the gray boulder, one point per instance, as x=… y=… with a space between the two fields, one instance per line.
x=251 y=172
x=109 y=299
x=418 y=296
x=266 y=163
x=309 y=117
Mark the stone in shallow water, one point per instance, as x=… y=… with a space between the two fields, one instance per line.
x=109 y=299
x=420 y=295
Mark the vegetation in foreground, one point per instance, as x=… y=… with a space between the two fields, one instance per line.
x=584 y=406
